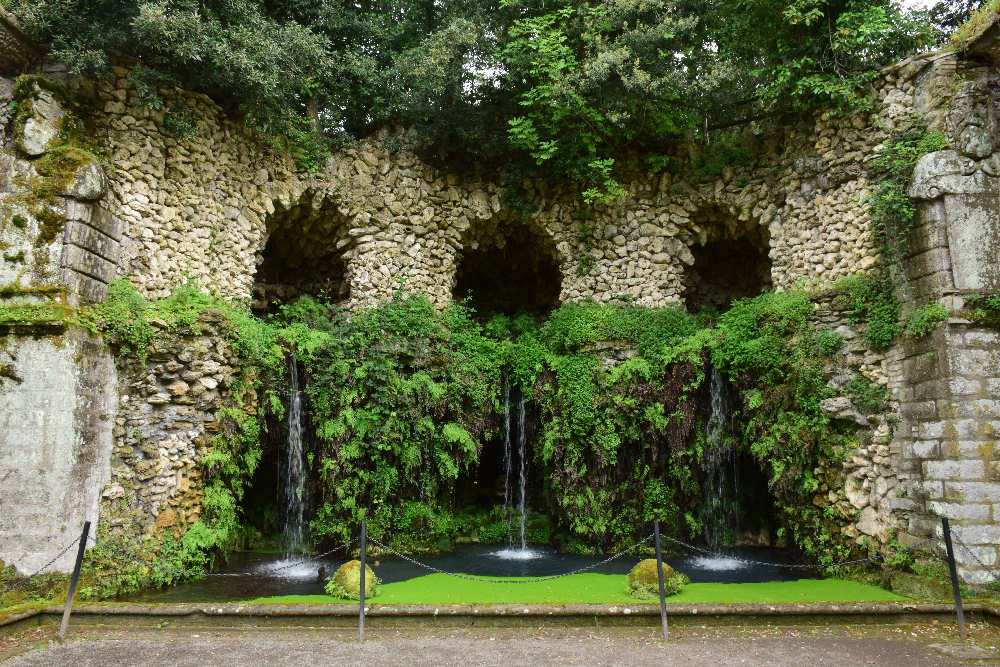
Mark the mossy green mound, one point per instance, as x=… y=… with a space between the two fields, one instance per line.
x=346 y=581
x=643 y=583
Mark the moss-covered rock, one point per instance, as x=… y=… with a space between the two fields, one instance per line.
x=346 y=581
x=643 y=583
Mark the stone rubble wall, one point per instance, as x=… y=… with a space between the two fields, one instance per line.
x=204 y=208
x=167 y=415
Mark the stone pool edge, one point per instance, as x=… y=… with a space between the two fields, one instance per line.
x=342 y=615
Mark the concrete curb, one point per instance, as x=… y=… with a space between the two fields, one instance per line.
x=344 y=615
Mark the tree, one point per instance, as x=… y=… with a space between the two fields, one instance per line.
x=566 y=89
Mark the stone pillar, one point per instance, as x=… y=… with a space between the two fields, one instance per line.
x=948 y=384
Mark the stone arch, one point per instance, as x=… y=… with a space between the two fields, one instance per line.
x=305 y=251
x=507 y=264
x=730 y=258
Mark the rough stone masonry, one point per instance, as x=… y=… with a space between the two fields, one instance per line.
x=82 y=439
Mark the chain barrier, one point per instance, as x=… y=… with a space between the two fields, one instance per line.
x=800 y=566
x=198 y=573
x=994 y=573
x=22 y=582
x=530 y=580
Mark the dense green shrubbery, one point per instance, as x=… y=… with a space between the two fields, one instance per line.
x=402 y=398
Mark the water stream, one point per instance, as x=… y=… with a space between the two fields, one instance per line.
x=293 y=479
x=507 y=464
x=521 y=440
x=720 y=511
x=516 y=550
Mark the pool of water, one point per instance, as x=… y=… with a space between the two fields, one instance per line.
x=270 y=574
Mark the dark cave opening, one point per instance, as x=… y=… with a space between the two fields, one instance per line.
x=731 y=261
x=512 y=270
x=304 y=255
x=724 y=271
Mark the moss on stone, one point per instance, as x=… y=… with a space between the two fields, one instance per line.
x=50 y=225
x=32 y=315
x=346 y=582
x=643 y=583
x=58 y=168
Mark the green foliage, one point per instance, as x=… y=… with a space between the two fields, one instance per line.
x=984 y=309
x=579 y=89
x=123 y=319
x=726 y=150
x=890 y=207
x=923 y=319
x=866 y=395
x=873 y=297
x=874 y=304
x=402 y=398
x=976 y=24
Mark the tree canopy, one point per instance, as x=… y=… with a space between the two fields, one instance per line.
x=563 y=87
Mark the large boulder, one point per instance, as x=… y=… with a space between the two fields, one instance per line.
x=643 y=583
x=346 y=581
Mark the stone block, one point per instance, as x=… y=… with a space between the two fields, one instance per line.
x=107 y=223
x=904 y=505
x=971 y=492
x=91 y=239
x=987 y=340
x=919 y=410
x=967 y=511
x=974 y=239
x=973 y=363
x=926 y=449
x=965 y=386
x=930 y=430
x=85 y=262
x=978 y=534
x=968 y=449
x=929 y=390
x=89 y=290
x=955 y=470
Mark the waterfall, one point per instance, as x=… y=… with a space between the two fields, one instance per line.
x=521 y=440
x=293 y=480
x=720 y=513
x=513 y=550
x=507 y=459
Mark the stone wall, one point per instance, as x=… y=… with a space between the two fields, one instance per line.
x=58 y=398
x=167 y=414
x=204 y=208
x=946 y=449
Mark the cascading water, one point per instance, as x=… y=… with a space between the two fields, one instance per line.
x=515 y=551
x=293 y=480
x=720 y=511
x=521 y=439
x=507 y=460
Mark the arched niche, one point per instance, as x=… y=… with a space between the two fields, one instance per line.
x=731 y=261
x=508 y=266
x=304 y=255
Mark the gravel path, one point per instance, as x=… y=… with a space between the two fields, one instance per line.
x=258 y=648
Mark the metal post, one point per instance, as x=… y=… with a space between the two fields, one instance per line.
x=659 y=577
x=361 y=611
x=74 y=580
x=954 y=576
